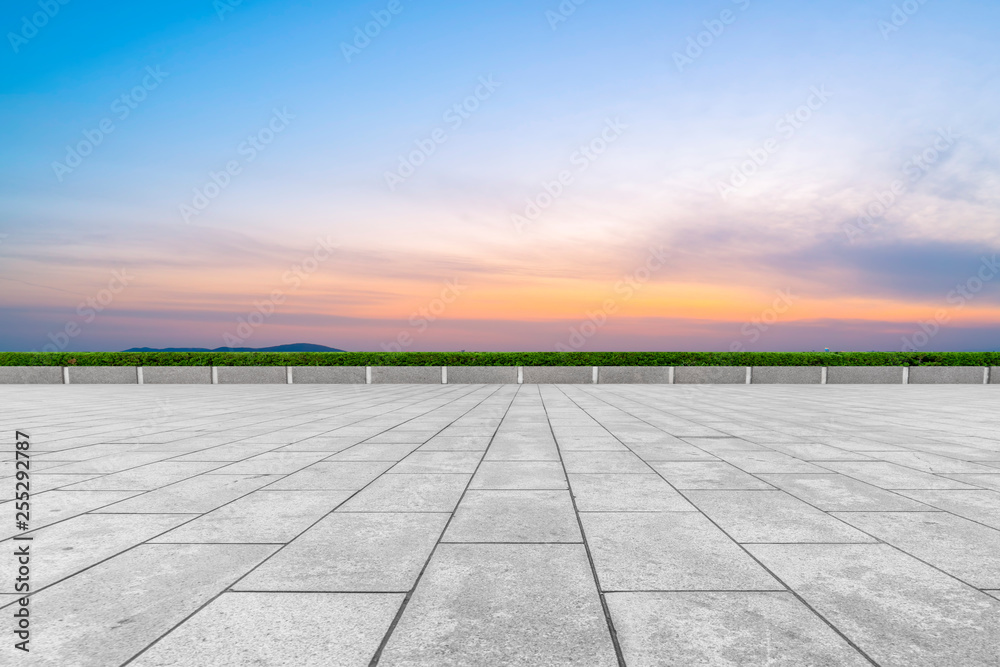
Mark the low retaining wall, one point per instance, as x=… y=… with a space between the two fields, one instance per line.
x=499 y=375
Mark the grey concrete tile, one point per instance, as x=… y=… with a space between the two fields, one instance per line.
x=833 y=491
x=621 y=462
x=514 y=516
x=271 y=463
x=375 y=452
x=771 y=516
x=611 y=492
x=895 y=608
x=279 y=629
x=707 y=475
x=530 y=604
x=819 y=452
x=195 y=495
x=891 y=476
x=410 y=493
x=52 y=506
x=960 y=547
x=718 y=445
x=686 y=628
x=978 y=505
x=352 y=552
x=995 y=594
x=113 y=462
x=443 y=443
x=590 y=443
x=259 y=517
x=44 y=481
x=651 y=451
x=236 y=451
x=330 y=475
x=760 y=462
x=134 y=597
x=636 y=551
x=438 y=462
x=65 y=548
x=519 y=475
x=147 y=477
x=541 y=450
x=932 y=462
x=987 y=481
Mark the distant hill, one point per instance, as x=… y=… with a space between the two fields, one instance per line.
x=294 y=347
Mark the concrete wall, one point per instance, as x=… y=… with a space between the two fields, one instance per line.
x=497 y=374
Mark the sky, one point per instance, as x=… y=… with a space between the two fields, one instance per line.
x=526 y=175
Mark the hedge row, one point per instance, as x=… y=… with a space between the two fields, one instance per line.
x=500 y=359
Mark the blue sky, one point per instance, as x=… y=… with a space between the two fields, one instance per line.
x=888 y=90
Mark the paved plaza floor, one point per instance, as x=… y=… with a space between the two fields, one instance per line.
x=531 y=525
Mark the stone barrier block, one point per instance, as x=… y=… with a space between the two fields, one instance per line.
x=177 y=375
x=252 y=374
x=864 y=375
x=946 y=375
x=482 y=375
x=558 y=375
x=633 y=375
x=406 y=375
x=710 y=375
x=103 y=375
x=787 y=375
x=31 y=375
x=328 y=374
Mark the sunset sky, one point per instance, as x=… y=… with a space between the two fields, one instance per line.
x=630 y=175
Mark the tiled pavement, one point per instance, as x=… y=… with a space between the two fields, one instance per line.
x=508 y=525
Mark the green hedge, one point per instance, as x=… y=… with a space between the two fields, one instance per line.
x=500 y=359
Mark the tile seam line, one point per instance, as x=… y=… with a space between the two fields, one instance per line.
x=799 y=597
x=245 y=574
x=609 y=621
x=377 y=656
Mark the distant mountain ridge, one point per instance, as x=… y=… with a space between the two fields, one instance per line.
x=294 y=347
